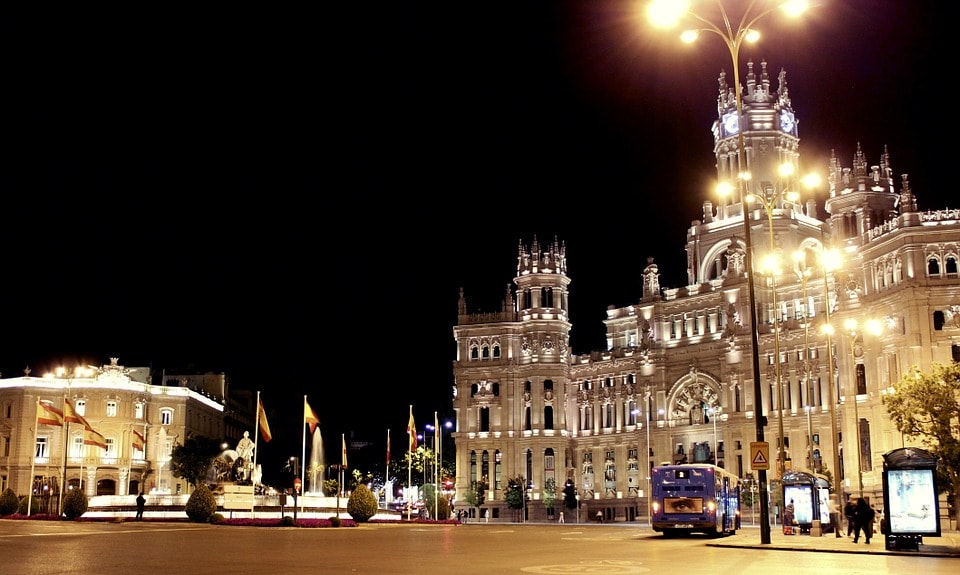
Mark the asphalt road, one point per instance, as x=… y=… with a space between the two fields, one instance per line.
x=47 y=547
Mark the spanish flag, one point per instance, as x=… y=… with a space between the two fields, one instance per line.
x=70 y=415
x=309 y=416
x=91 y=437
x=412 y=431
x=47 y=414
x=262 y=419
x=138 y=440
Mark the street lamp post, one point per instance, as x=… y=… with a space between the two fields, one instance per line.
x=771 y=266
x=646 y=470
x=829 y=261
x=714 y=414
x=854 y=330
x=803 y=274
x=668 y=13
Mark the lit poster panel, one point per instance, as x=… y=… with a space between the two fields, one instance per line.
x=802 y=498
x=912 y=508
x=803 y=503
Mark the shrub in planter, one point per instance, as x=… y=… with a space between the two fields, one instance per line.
x=9 y=502
x=287 y=521
x=334 y=521
x=74 y=503
x=35 y=506
x=216 y=518
x=362 y=504
x=201 y=505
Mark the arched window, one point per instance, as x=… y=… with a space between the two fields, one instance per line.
x=951 y=266
x=933 y=267
x=548 y=417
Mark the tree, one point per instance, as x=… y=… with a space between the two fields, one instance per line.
x=474 y=496
x=550 y=495
x=192 y=459
x=516 y=492
x=926 y=406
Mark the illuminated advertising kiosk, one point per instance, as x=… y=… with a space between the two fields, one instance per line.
x=810 y=495
x=911 y=508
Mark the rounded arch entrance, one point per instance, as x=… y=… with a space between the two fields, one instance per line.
x=693 y=403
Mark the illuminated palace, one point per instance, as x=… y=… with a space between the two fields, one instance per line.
x=138 y=418
x=676 y=380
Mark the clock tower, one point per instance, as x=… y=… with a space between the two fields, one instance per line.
x=769 y=130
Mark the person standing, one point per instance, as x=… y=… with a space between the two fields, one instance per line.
x=561 y=517
x=863 y=518
x=141 y=501
x=835 y=518
x=848 y=513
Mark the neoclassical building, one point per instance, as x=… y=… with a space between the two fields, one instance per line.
x=139 y=422
x=676 y=381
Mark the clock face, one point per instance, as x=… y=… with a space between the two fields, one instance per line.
x=787 y=121
x=731 y=123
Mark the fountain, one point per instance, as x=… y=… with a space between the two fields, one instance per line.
x=317 y=465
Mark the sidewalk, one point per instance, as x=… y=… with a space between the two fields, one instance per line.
x=947 y=545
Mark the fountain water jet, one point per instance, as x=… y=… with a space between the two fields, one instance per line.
x=317 y=464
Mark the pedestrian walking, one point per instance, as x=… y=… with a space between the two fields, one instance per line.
x=561 y=517
x=848 y=513
x=863 y=518
x=835 y=518
x=141 y=501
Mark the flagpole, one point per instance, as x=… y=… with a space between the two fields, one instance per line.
x=409 y=458
x=256 y=445
x=66 y=441
x=33 y=460
x=387 y=474
x=303 y=451
x=436 y=495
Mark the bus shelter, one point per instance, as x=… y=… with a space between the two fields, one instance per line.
x=811 y=499
x=910 y=502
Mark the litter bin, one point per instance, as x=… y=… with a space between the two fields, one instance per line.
x=815 y=530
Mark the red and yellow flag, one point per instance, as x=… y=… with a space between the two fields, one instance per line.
x=70 y=415
x=91 y=437
x=48 y=414
x=412 y=431
x=262 y=419
x=309 y=416
x=138 y=440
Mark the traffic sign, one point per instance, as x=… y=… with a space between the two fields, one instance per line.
x=759 y=455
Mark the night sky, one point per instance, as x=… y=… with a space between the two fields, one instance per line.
x=295 y=197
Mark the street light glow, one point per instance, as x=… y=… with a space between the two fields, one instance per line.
x=666 y=14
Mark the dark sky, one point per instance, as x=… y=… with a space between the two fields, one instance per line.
x=295 y=197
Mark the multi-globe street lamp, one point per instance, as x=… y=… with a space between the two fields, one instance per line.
x=772 y=198
x=667 y=14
